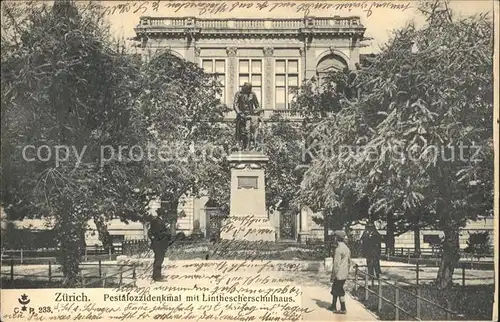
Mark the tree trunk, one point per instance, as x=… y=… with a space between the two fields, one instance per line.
x=326 y=223
x=450 y=257
x=70 y=228
x=390 y=240
x=416 y=240
x=103 y=233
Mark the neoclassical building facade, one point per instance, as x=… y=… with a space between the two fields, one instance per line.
x=275 y=56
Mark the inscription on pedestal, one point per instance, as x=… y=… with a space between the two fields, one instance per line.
x=248 y=217
x=247 y=182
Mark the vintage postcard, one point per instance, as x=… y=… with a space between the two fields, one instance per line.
x=249 y=160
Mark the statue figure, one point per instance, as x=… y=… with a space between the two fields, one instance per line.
x=248 y=117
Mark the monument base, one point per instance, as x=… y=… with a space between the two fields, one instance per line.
x=248 y=228
x=248 y=215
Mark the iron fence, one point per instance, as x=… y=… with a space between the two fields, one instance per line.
x=101 y=275
x=26 y=256
x=429 y=252
x=397 y=289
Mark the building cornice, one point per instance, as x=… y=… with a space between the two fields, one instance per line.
x=191 y=27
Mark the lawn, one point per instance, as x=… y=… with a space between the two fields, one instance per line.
x=28 y=283
x=238 y=250
x=474 y=302
x=40 y=276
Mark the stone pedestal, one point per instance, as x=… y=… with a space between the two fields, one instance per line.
x=248 y=218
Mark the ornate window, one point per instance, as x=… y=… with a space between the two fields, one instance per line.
x=329 y=64
x=218 y=68
x=286 y=79
x=250 y=70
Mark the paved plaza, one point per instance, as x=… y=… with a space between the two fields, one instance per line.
x=315 y=294
x=309 y=279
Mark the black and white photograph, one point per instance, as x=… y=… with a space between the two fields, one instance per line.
x=249 y=160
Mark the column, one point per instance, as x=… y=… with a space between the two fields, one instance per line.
x=232 y=70
x=304 y=227
x=145 y=230
x=190 y=48
x=297 y=225
x=200 y=213
x=302 y=52
x=190 y=39
x=310 y=59
x=196 y=216
x=354 y=53
x=197 y=52
x=268 y=85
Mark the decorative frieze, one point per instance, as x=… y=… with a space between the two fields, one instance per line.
x=268 y=51
x=228 y=40
x=246 y=165
x=231 y=51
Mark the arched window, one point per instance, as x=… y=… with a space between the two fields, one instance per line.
x=328 y=64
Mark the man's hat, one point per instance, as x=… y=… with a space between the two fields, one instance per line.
x=340 y=233
x=247 y=85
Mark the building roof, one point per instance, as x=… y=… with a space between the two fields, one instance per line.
x=262 y=27
x=33 y=224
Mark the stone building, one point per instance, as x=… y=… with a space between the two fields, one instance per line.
x=275 y=56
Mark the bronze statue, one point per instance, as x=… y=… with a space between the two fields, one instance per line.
x=248 y=117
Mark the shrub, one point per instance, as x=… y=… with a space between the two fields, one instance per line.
x=180 y=236
x=22 y=238
x=479 y=244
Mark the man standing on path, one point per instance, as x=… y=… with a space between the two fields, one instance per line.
x=371 y=245
x=341 y=265
x=160 y=236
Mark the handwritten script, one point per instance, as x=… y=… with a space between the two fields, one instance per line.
x=218 y=290
x=213 y=8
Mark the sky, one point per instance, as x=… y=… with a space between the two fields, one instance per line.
x=377 y=16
